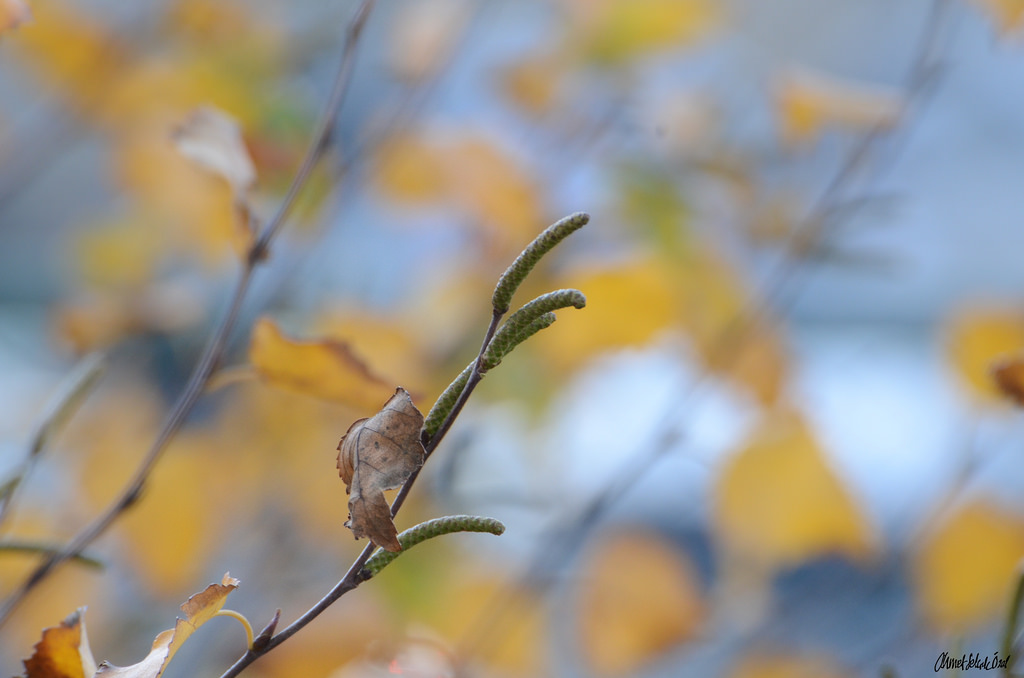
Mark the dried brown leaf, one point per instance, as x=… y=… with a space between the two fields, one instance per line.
x=63 y=651
x=198 y=609
x=378 y=454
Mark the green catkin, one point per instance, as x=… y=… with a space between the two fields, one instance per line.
x=429 y=530
x=524 y=263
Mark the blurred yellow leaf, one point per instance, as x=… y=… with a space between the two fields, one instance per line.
x=71 y=50
x=764 y=665
x=966 y=566
x=625 y=621
x=1008 y=374
x=616 y=30
x=425 y=32
x=627 y=305
x=63 y=651
x=13 y=13
x=755 y=360
x=120 y=254
x=469 y=171
x=182 y=517
x=778 y=502
x=410 y=168
x=196 y=209
x=809 y=102
x=198 y=609
x=1007 y=15
x=327 y=368
x=515 y=646
x=977 y=338
x=534 y=84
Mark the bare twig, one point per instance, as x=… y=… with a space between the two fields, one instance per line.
x=561 y=539
x=58 y=410
x=215 y=348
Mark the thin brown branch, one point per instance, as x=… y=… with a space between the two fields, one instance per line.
x=355 y=574
x=214 y=350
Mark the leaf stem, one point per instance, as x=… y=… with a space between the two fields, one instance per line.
x=240 y=618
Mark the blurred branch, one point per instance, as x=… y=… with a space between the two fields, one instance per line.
x=564 y=537
x=26 y=546
x=69 y=396
x=215 y=348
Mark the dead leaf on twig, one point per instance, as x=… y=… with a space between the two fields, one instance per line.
x=213 y=140
x=377 y=454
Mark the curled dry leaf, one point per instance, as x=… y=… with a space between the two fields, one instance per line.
x=212 y=139
x=377 y=454
x=198 y=610
x=63 y=651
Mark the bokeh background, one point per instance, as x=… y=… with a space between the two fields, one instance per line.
x=769 y=446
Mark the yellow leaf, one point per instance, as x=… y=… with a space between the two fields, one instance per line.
x=513 y=647
x=198 y=609
x=122 y=254
x=978 y=338
x=534 y=84
x=958 y=593
x=778 y=502
x=626 y=621
x=76 y=54
x=617 y=30
x=327 y=369
x=13 y=13
x=63 y=651
x=809 y=102
x=466 y=170
x=409 y=169
x=180 y=520
x=755 y=360
x=491 y=186
x=627 y=305
x=197 y=210
x=763 y=665
x=1007 y=15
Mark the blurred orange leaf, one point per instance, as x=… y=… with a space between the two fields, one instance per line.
x=977 y=338
x=809 y=102
x=639 y=596
x=327 y=368
x=778 y=501
x=63 y=651
x=958 y=593
x=198 y=609
x=13 y=13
